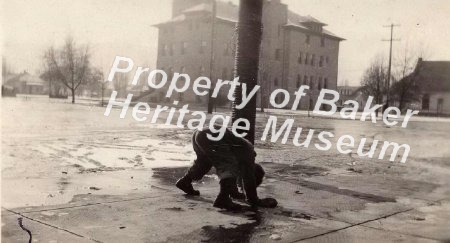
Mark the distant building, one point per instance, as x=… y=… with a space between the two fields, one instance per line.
x=351 y=93
x=434 y=80
x=296 y=50
x=25 y=83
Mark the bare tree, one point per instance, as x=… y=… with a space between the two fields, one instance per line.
x=68 y=64
x=6 y=69
x=405 y=89
x=120 y=83
x=374 y=80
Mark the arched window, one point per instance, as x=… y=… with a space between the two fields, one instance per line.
x=170 y=74
x=224 y=74
x=226 y=51
x=202 y=46
x=275 y=82
x=426 y=102
x=264 y=77
x=325 y=85
x=300 y=57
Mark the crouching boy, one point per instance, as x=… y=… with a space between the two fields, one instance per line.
x=234 y=160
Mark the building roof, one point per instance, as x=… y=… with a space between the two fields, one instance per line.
x=229 y=12
x=295 y=18
x=224 y=10
x=433 y=75
x=298 y=21
x=26 y=78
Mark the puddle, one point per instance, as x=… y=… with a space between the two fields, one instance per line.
x=169 y=176
x=240 y=233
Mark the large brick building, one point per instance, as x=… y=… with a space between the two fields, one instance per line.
x=295 y=49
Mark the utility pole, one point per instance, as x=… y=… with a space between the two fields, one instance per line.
x=211 y=100
x=249 y=30
x=388 y=83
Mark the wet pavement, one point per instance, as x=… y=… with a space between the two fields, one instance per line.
x=74 y=175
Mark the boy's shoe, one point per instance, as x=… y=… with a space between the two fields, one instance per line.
x=185 y=185
x=226 y=203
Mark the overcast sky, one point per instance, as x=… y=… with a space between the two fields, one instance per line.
x=114 y=27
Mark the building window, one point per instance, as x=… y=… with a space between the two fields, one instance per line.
x=299 y=81
x=227 y=51
x=184 y=46
x=313 y=58
x=311 y=84
x=300 y=57
x=322 y=42
x=277 y=99
x=164 y=50
x=320 y=83
x=277 y=54
x=203 y=47
x=308 y=39
x=305 y=80
x=426 y=102
x=325 y=83
x=306 y=58
x=321 y=61
x=275 y=82
x=171 y=49
x=202 y=71
x=327 y=60
x=170 y=74
x=225 y=73
x=159 y=77
x=440 y=105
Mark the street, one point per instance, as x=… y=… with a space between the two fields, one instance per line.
x=75 y=175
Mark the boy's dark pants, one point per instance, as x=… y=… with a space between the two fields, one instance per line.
x=213 y=153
